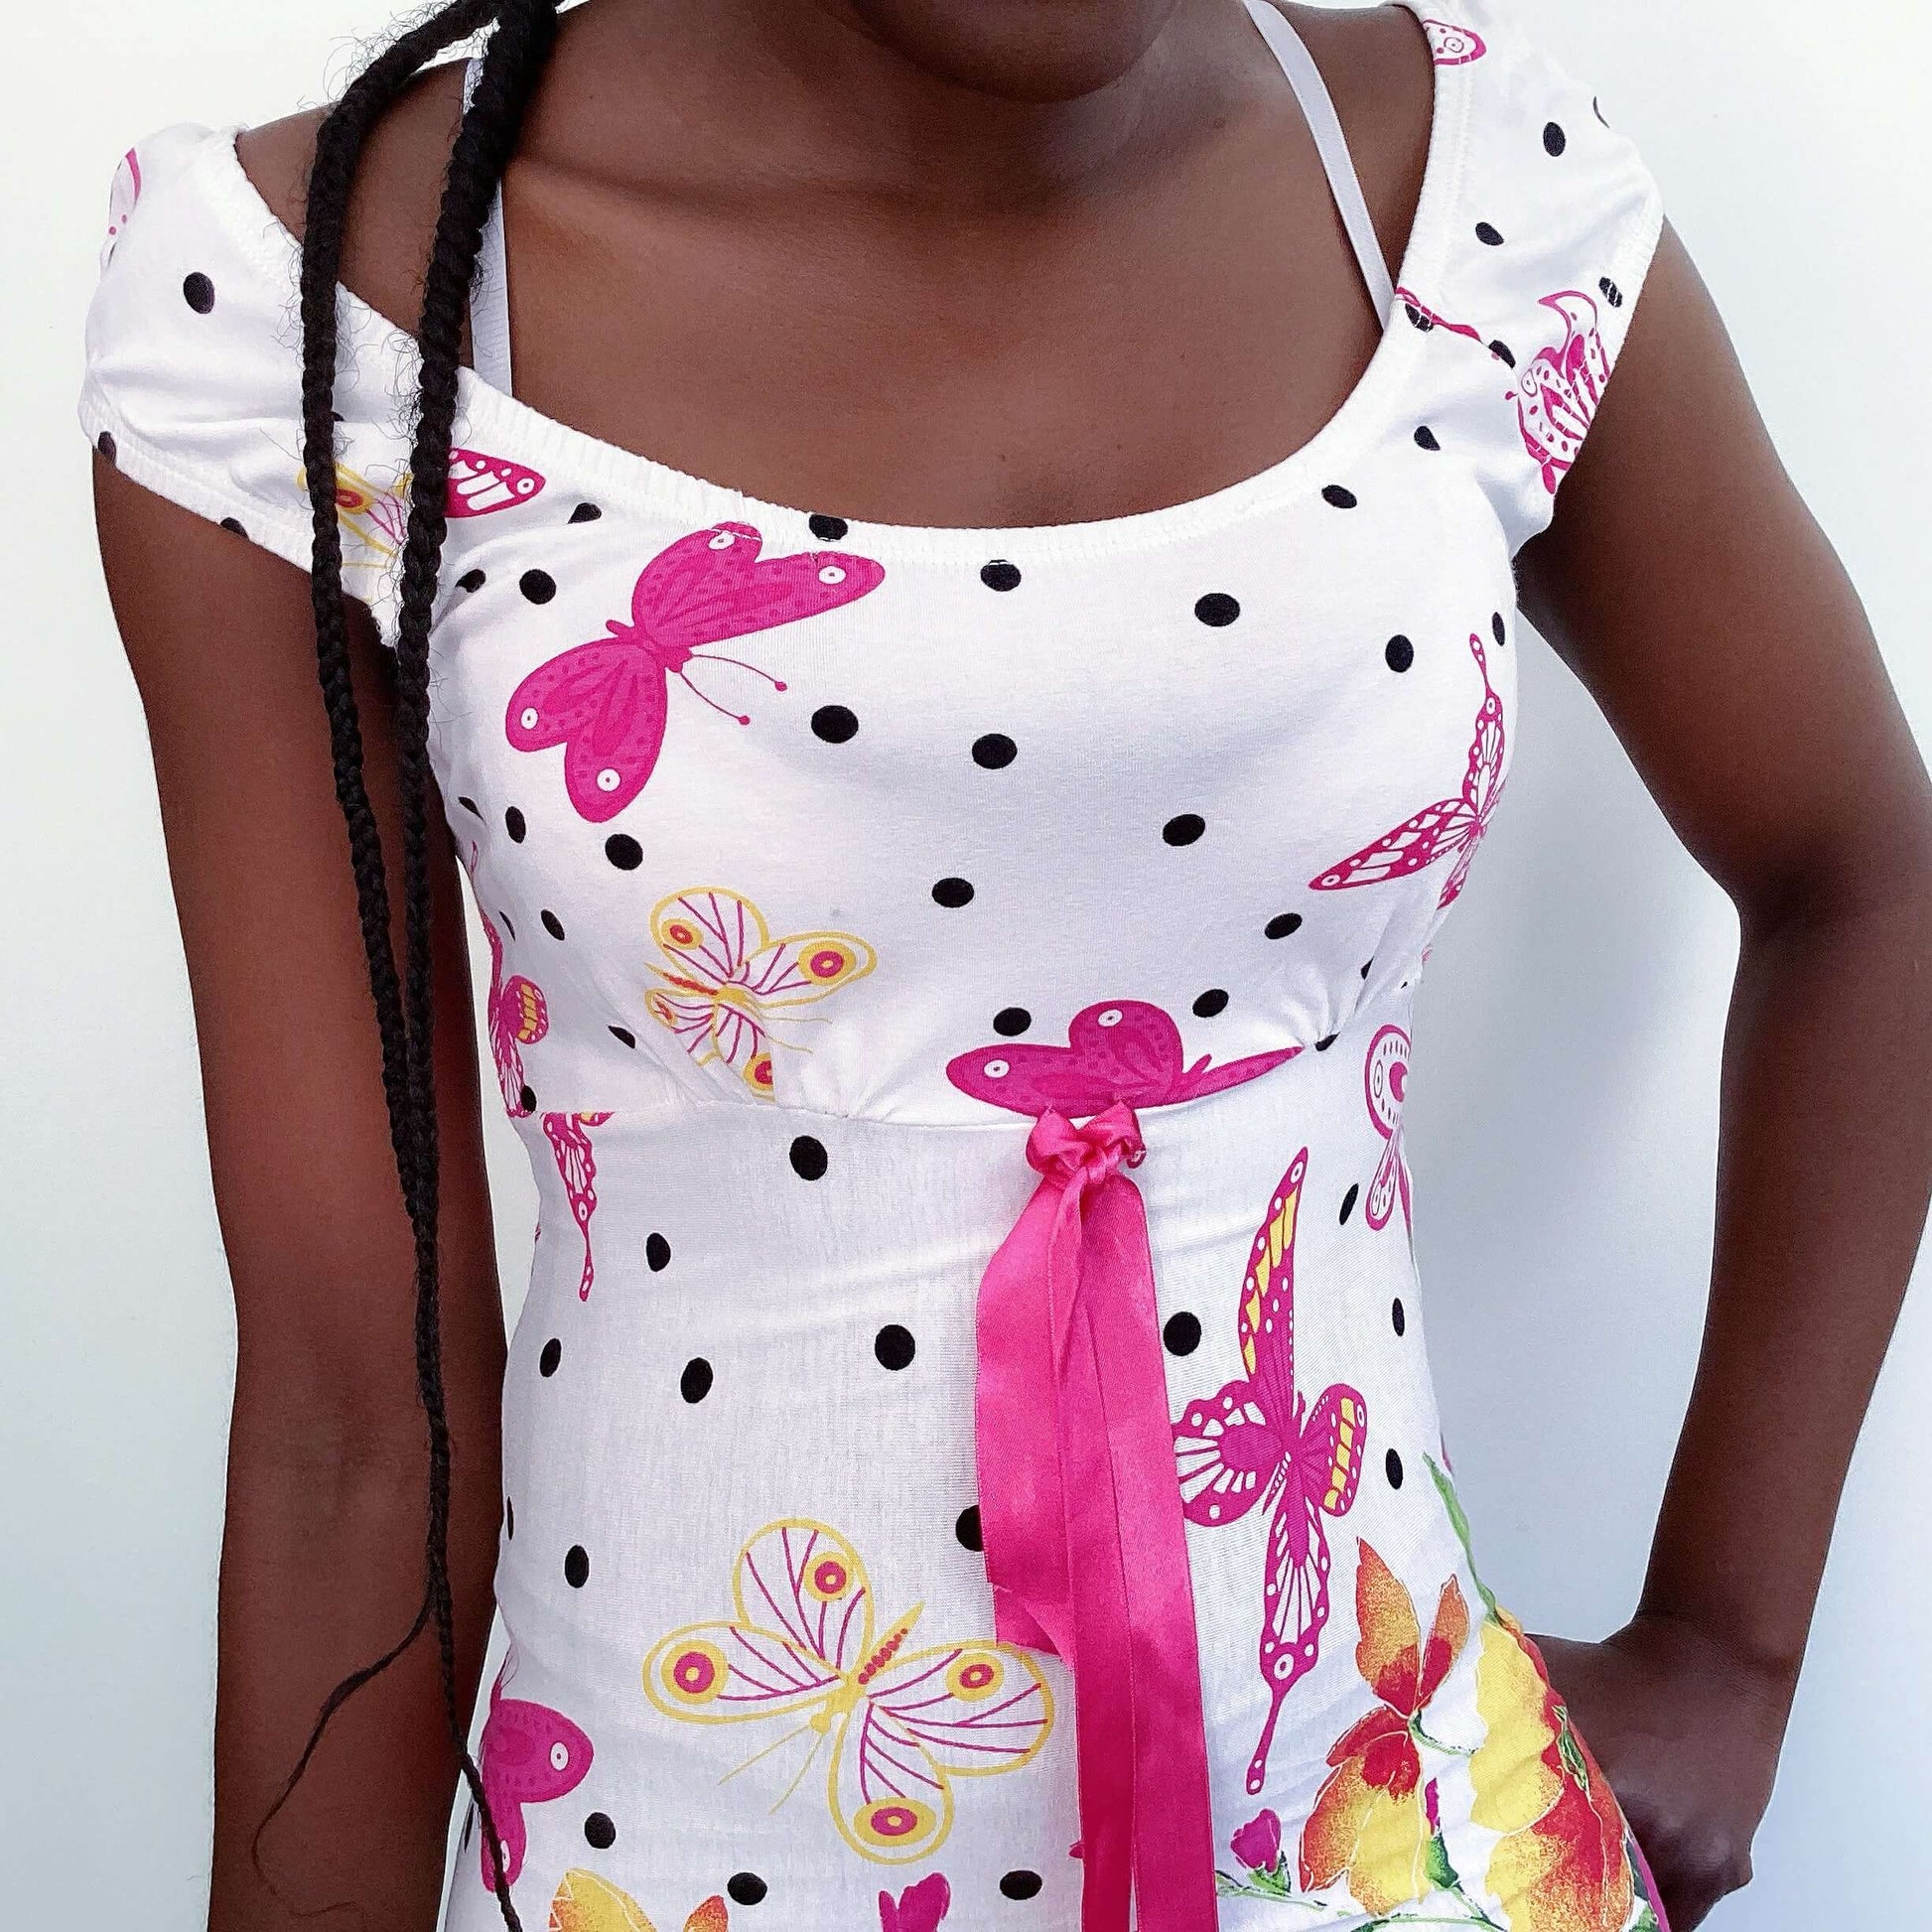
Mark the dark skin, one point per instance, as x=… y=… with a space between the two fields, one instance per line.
x=996 y=263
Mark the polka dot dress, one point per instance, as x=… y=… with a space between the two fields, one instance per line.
x=815 y=857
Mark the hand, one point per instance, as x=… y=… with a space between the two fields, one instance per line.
x=1687 y=1733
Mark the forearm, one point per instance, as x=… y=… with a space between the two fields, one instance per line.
x=1824 y=1158
x=321 y=1572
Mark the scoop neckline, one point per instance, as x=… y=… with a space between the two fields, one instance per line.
x=616 y=475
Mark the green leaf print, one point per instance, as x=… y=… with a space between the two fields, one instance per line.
x=1459 y=1523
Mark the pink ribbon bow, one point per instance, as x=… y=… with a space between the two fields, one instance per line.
x=1081 y=1520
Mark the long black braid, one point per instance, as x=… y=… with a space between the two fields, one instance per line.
x=524 y=32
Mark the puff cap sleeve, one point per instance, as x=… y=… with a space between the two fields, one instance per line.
x=194 y=365
x=1555 y=218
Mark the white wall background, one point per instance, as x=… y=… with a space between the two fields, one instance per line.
x=1570 y=1020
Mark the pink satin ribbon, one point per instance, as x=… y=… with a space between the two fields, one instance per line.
x=1080 y=1514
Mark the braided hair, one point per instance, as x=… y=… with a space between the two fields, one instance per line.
x=522 y=35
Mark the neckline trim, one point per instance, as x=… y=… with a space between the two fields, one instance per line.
x=615 y=476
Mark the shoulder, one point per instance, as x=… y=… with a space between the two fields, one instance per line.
x=391 y=217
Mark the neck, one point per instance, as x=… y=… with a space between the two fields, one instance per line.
x=973 y=104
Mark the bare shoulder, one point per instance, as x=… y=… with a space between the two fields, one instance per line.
x=1381 y=74
x=398 y=187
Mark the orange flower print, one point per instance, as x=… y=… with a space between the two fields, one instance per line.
x=1374 y=1821
x=1561 y=1864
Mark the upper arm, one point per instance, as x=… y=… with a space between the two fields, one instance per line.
x=218 y=634
x=1685 y=582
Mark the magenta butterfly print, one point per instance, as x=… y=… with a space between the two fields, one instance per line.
x=516 y=1015
x=1119 y=1049
x=530 y=1755
x=480 y=483
x=1451 y=827
x=606 y=702
x=803 y=1642
x=919 y=1908
x=122 y=197
x=1385 y=1082
x=1257 y=1441
x=1453 y=46
x=570 y=1140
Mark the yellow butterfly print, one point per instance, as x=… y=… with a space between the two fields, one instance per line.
x=587 y=1903
x=729 y=985
x=903 y=1723
x=377 y=516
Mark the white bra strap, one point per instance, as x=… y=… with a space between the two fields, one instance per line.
x=489 y=294
x=1318 y=108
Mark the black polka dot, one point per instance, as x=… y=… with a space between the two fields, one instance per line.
x=995 y=752
x=1366 y=964
x=1208 y=1004
x=1011 y=1022
x=624 y=1035
x=1611 y=293
x=1497 y=628
x=828 y=530
x=834 y=724
x=509 y=1519
x=470 y=806
x=1180 y=1333
x=953 y=892
x=1398 y=1316
x=1341 y=499
x=470 y=579
x=1282 y=924
x=526 y=1098
x=577 y=1566
x=506 y=919
x=1348 y=1200
x=746 y=1887
x=1392 y=1468
x=515 y=824
x=537 y=585
x=1322 y=1045
x=658 y=1253
x=234 y=526
x=552 y=925
x=585 y=513
x=198 y=293
x=1183 y=829
x=106 y=445
x=1597 y=109
x=1419 y=317
x=553 y=1353
x=599 y=1832
x=1021 y=1884
x=1503 y=353
x=1554 y=140
x=1000 y=574
x=624 y=852
x=1489 y=235
x=968 y=1531
x=1217 y=609
x=893 y=1346
x=695 y=1383
x=1399 y=654
x=1425 y=438
x=808 y=1158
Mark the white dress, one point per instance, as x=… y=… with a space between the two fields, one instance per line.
x=826 y=865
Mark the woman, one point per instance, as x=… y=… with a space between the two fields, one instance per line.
x=958 y=816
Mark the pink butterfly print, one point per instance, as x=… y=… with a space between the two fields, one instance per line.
x=1385 y=1082
x=919 y=1908
x=1423 y=317
x=122 y=197
x=1119 y=1049
x=606 y=702
x=518 y=1017
x=570 y=1142
x=1557 y=396
x=480 y=483
x=1453 y=46
x=1258 y=1442
x=1450 y=825
x=530 y=1755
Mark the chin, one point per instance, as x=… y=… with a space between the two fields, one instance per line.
x=1019 y=49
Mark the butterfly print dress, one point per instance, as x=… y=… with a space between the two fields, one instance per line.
x=956 y=992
